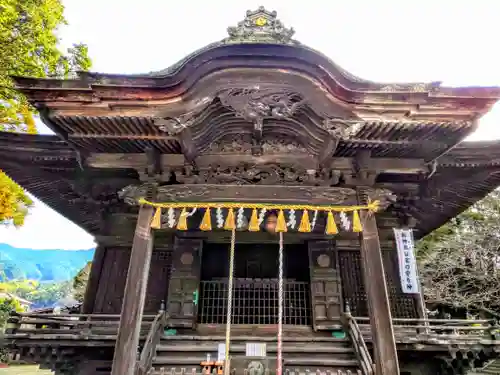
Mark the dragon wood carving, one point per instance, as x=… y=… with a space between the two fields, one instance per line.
x=306 y=194
x=243 y=144
x=255 y=104
x=269 y=174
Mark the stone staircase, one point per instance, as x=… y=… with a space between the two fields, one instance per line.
x=184 y=354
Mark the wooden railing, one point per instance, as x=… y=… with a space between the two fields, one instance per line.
x=358 y=343
x=105 y=327
x=438 y=331
x=148 y=352
x=75 y=326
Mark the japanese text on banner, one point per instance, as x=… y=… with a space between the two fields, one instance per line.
x=407 y=260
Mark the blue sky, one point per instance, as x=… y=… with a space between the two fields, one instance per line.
x=452 y=41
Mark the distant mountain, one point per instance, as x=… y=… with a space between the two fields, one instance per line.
x=41 y=265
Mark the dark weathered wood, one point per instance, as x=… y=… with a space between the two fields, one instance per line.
x=137 y=161
x=94 y=277
x=326 y=295
x=109 y=297
x=122 y=136
x=358 y=342
x=289 y=194
x=184 y=282
x=124 y=361
x=386 y=357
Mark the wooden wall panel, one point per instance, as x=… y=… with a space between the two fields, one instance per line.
x=112 y=280
x=159 y=277
x=326 y=296
x=402 y=305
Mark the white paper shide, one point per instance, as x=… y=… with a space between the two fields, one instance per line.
x=407 y=261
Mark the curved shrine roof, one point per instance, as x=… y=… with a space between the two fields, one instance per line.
x=256 y=84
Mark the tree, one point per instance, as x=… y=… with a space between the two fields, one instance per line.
x=6 y=306
x=460 y=262
x=41 y=294
x=80 y=282
x=29 y=47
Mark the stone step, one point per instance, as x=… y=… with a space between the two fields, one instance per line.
x=242 y=338
x=291 y=360
x=240 y=347
x=287 y=371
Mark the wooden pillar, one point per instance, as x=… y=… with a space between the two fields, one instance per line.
x=124 y=361
x=386 y=357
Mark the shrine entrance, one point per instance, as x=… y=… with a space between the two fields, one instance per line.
x=255 y=285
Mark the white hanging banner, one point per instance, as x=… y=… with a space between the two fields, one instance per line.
x=407 y=260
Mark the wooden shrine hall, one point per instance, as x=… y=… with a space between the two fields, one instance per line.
x=255 y=208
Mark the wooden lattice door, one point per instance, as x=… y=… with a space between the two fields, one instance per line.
x=182 y=304
x=326 y=298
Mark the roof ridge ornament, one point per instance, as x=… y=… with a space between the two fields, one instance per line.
x=260 y=26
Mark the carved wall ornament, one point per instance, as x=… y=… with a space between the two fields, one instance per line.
x=236 y=143
x=172 y=125
x=255 y=104
x=132 y=193
x=323 y=261
x=175 y=125
x=177 y=193
x=245 y=144
x=341 y=129
x=384 y=196
x=213 y=192
x=187 y=258
x=260 y=26
x=262 y=174
x=281 y=146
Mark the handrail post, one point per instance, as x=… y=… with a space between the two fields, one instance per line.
x=358 y=342
x=145 y=361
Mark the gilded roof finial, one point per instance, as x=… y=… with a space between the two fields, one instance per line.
x=260 y=26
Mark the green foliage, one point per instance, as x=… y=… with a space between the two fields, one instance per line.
x=80 y=282
x=29 y=47
x=6 y=306
x=14 y=202
x=460 y=262
x=47 y=294
x=40 y=294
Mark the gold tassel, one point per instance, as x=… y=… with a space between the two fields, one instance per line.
x=305 y=224
x=281 y=222
x=229 y=224
x=356 y=222
x=182 y=223
x=331 y=226
x=253 y=225
x=156 y=222
x=206 y=222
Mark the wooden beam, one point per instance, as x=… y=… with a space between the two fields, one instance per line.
x=135 y=161
x=123 y=136
x=386 y=357
x=125 y=356
x=329 y=146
